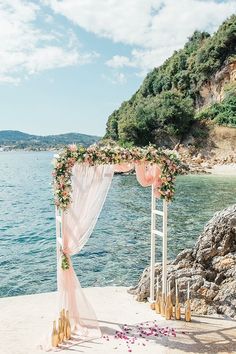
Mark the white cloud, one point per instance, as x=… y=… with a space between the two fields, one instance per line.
x=120 y=78
x=119 y=61
x=120 y=20
x=9 y=79
x=32 y=41
x=116 y=78
x=48 y=18
x=144 y=59
x=154 y=28
x=26 y=48
x=48 y=58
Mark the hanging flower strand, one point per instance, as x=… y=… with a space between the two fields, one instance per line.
x=95 y=155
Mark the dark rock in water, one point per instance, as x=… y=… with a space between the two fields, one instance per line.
x=210 y=267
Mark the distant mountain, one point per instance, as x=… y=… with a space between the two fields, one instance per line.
x=14 y=139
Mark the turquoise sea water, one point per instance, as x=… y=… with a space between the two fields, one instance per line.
x=119 y=247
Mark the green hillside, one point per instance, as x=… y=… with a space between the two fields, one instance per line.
x=14 y=139
x=168 y=101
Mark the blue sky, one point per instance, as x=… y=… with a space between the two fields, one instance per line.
x=66 y=65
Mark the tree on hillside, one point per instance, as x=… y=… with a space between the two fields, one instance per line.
x=170 y=112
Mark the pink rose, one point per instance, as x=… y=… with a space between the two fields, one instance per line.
x=163 y=179
x=59 y=165
x=73 y=147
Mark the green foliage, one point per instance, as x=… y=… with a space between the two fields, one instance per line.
x=200 y=133
x=222 y=113
x=169 y=112
x=191 y=66
x=65 y=264
x=168 y=94
x=112 y=126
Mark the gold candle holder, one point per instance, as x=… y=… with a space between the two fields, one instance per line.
x=167 y=305
x=163 y=305
x=170 y=303
x=63 y=325
x=177 y=311
x=158 y=300
x=65 y=329
x=188 y=311
x=60 y=331
x=68 y=326
x=54 y=337
x=167 y=310
x=152 y=306
x=158 y=303
x=177 y=304
x=188 y=306
x=63 y=318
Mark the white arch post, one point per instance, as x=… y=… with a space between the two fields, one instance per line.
x=163 y=235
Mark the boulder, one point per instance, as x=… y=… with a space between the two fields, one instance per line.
x=210 y=266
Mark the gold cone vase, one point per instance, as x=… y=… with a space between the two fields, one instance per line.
x=63 y=318
x=163 y=305
x=177 y=304
x=60 y=331
x=167 y=312
x=54 y=337
x=170 y=307
x=158 y=303
x=177 y=309
x=152 y=306
x=65 y=327
x=68 y=326
x=167 y=308
x=188 y=311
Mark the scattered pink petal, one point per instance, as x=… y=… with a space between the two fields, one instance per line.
x=141 y=332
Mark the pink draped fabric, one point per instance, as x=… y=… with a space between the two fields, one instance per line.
x=90 y=185
x=71 y=297
x=148 y=175
x=123 y=167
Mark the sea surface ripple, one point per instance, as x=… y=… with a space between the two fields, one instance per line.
x=118 y=249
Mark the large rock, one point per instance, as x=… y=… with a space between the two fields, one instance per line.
x=210 y=267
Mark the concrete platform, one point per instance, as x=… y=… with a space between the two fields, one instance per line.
x=24 y=320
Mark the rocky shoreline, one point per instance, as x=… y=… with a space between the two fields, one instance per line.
x=210 y=266
x=200 y=163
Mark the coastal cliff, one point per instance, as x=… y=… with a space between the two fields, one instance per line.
x=214 y=89
x=210 y=266
x=181 y=101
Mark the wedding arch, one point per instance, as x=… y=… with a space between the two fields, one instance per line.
x=82 y=177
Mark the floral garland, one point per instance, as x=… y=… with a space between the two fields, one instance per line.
x=96 y=155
